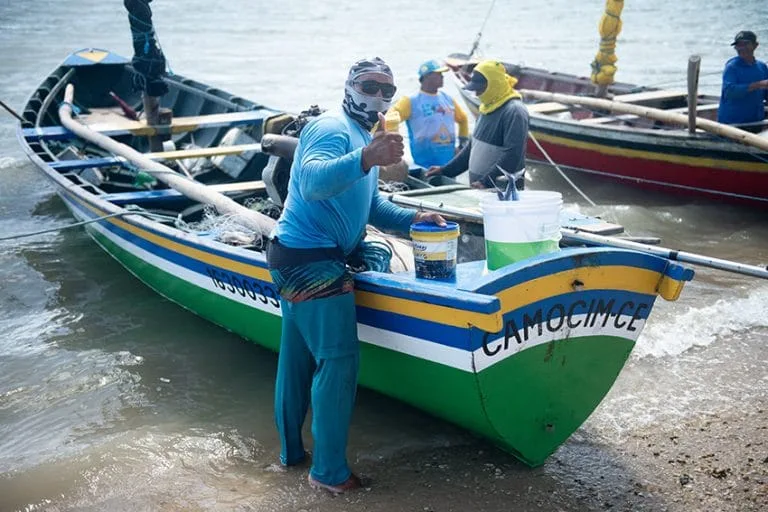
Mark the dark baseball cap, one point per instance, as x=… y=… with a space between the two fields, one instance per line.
x=745 y=35
x=477 y=83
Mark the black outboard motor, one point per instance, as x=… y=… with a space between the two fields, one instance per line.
x=302 y=120
x=280 y=149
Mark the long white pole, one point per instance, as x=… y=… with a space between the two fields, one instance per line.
x=694 y=65
x=672 y=254
x=251 y=219
x=724 y=130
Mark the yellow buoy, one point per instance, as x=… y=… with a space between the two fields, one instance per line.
x=604 y=65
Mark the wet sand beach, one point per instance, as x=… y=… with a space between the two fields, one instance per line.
x=114 y=399
x=707 y=463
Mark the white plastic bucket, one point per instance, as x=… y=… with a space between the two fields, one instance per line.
x=516 y=230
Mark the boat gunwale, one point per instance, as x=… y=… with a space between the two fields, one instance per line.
x=424 y=290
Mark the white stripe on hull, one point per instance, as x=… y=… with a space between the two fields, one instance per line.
x=494 y=352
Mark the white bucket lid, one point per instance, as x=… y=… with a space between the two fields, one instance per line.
x=529 y=200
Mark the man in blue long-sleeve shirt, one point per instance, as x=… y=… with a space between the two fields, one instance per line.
x=745 y=84
x=332 y=195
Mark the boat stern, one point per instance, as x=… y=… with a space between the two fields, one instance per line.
x=571 y=321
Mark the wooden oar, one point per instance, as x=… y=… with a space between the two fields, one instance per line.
x=196 y=191
x=656 y=114
x=11 y=111
x=573 y=235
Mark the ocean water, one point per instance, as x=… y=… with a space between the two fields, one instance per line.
x=112 y=398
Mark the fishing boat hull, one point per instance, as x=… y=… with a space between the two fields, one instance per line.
x=524 y=367
x=520 y=356
x=632 y=150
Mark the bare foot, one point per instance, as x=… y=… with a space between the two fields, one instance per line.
x=351 y=483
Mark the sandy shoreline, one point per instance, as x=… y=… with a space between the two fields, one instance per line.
x=707 y=463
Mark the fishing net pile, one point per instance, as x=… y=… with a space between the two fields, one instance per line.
x=392 y=186
x=380 y=251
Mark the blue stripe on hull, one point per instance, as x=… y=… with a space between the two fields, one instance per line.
x=548 y=310
x=410 y=326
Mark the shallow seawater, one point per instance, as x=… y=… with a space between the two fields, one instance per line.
x=112 y=398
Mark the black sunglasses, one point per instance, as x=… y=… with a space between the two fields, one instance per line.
x=371 y=87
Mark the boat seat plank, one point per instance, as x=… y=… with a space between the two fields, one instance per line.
x=548 y=107
x=204 y=152
x=130 y=127
x=709 y=107
x=85 y=163
x=649 y=96
x=102 y=115
x=608 y=119
x=574 y=220
x=123 y=198
x=68 y=165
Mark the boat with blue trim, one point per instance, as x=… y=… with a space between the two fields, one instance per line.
x=521 y=355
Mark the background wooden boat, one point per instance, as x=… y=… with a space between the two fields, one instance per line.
x=629 y=148
x=521 y=355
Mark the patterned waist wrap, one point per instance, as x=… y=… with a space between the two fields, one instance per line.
x=307 y=274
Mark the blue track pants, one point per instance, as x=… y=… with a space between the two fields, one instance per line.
x=318 y=364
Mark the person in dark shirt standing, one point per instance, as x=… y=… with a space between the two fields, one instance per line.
x=501 y=132
x=745 y=84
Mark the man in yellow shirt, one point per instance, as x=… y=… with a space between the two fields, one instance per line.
x=431 y=116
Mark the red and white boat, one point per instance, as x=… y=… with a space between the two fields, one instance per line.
x=633 y=149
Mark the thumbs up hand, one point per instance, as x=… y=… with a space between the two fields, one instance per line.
x=386 y=148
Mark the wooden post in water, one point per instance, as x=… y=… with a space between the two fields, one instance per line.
x=152 y=118
x=694 y=65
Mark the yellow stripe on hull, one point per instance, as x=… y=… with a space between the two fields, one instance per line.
x=440 y=314
x=490 y=322
x=583 y=278
x=203 y=256
x=587 y=278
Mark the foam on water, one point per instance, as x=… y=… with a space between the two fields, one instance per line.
x=180 y=467
x=7 y=162
x=112 y=399
x=702 y=326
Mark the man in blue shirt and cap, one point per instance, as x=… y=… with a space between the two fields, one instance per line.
x=745 y=84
